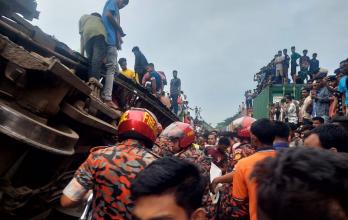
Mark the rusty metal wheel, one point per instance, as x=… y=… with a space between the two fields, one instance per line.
x=58 y=140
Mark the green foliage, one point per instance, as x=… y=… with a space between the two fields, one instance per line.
x=227 y=121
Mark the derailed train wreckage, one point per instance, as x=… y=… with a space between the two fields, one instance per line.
x=49 y=117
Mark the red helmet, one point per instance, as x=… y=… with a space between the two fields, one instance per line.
x=139 y=124
x=243 y=126
x=244 y=132
x=182 y=131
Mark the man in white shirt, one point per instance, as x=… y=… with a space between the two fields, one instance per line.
x=305 y=115
x=279 y=66
x=291 y=111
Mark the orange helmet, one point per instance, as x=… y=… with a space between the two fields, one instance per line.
x=181 y=131
x=139 y=124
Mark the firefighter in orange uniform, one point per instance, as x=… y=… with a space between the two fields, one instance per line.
x=108 y=172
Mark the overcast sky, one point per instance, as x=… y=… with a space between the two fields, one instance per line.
x=216 y=45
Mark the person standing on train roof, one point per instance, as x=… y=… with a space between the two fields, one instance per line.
x=175 y=89
x=140 y=63
x=294 y=57
x=127 y=72
x=154 y=77
x=93 y=42
x=114 y=31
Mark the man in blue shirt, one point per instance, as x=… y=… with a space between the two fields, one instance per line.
x=155 y=78
x=321 y=98
x=282 y=135
x=342 y=86
x=114 y=32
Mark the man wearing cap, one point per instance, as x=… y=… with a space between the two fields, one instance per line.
x=321 y=98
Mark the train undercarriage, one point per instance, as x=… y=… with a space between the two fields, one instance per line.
x=50 y=117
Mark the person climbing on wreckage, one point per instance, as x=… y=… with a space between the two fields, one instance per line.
x=108 y=171
x=114 y=31
x=152 y=80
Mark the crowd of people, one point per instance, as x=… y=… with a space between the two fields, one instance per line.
x=301 y=68
x=254 y=172
x=323 y=98
x=264 y=169
x=101 y=38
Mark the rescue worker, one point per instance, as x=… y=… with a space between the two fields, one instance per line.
x=241 y=150
x=109 y=171
x=177 y=139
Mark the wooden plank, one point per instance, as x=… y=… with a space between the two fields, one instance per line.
x=16 y=26
x=65 y=74
x=24 y=39
x=86 y=119
x=26 y=60
x=18 y=55
x=100 y=106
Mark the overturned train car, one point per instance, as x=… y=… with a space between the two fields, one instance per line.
x=49 y=117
